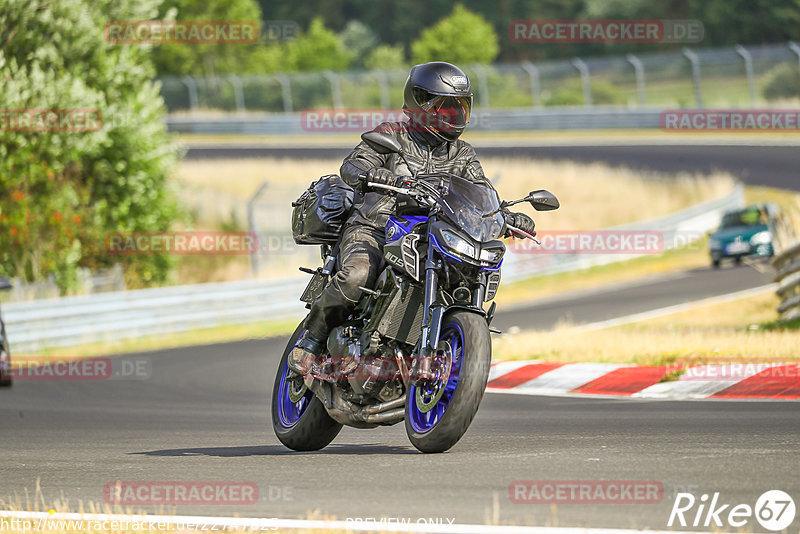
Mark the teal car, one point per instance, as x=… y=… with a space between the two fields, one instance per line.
x=745 y=232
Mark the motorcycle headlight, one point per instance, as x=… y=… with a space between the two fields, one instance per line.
x=714 y=244
x=761 y=238
x=458 y=244
x=491 y=255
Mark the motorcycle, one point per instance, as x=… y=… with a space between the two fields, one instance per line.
x=5 y=357
x=417 y=348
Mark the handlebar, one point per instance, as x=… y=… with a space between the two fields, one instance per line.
x=522 y=233
x=402 y=191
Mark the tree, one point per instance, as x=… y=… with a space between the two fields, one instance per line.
x=359 y=40
x=317 y=49
x=386 y=57
x=62 y=191
x=210 y=59
x=462 y=37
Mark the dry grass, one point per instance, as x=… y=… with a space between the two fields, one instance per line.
x=712 y=333
x=592 y=195
x=596 y=196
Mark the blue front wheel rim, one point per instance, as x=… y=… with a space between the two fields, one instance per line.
x=290 y=412
x=424 y=422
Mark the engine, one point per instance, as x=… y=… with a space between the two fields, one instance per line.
x=364 y=364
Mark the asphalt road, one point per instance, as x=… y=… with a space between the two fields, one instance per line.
x=774 y=166
x=203 y=415
x=630 y=298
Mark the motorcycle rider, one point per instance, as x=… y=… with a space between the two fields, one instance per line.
x=437 y=100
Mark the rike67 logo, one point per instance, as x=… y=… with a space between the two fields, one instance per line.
x=774 y=510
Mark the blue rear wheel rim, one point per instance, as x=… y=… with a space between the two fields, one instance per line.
x=423 y=422
x=289 y=413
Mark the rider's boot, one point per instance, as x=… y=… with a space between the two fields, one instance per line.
x=305 y=353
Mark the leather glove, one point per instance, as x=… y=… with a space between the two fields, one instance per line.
x=521 y=221
x=381 y=175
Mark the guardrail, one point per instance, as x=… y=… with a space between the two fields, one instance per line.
x=678 y=229
x=787 y=265
x=112 y=316
x=566 y=118
x=119 y=315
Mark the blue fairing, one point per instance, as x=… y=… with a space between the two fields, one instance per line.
x=397 y=227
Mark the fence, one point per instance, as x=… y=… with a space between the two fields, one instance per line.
x=787 y=265
x=130 y=314
x=724 y=77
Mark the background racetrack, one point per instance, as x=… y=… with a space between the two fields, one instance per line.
x=773 y=166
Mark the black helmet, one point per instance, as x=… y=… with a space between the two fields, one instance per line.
x=438 y=100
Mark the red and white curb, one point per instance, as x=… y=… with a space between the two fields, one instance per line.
x=780 y=381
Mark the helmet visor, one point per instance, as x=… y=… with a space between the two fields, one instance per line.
x=449 y=111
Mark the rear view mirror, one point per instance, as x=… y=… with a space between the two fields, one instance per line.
x=543 y=200
x=382 y=142
x=5 y=283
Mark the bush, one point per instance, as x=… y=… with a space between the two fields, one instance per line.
x=386 y=57
x=783 y=81
x=571 y=94
x=63 y=191
x=317 y=49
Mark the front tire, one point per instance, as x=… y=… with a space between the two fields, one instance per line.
x=5 y=366
x=438 y=428
x=302 y=424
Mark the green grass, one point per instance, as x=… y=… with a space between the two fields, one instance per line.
x=780 y=325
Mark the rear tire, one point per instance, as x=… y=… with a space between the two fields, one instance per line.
x=441 y=427
x=302 y=425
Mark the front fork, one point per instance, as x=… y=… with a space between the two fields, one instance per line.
x=433 y=315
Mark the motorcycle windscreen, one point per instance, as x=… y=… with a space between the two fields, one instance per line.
x=467 y=204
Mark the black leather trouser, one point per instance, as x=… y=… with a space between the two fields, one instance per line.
x=360 y=263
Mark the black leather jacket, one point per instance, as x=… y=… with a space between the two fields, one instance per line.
x=372 y=208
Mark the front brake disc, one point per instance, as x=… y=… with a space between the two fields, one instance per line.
x=429 y=392
x=297 y=387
